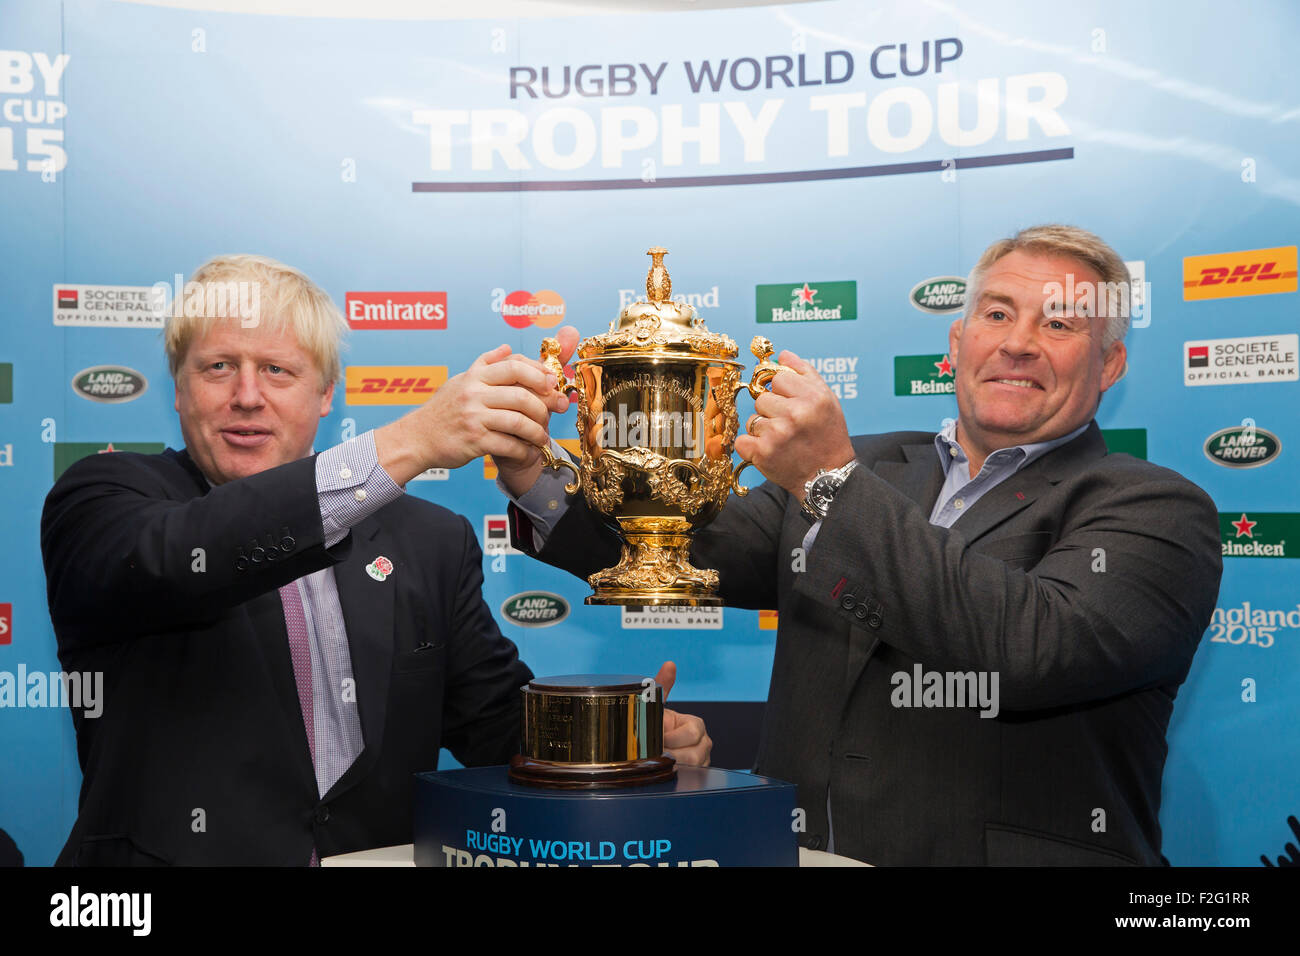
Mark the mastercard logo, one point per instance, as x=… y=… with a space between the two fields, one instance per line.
x=544 y=309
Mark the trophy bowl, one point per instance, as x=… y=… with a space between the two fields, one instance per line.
x=656 y=425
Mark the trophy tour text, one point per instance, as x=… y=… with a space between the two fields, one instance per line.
x=895 y=99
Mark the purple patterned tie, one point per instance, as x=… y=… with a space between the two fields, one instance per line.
x=295 y=621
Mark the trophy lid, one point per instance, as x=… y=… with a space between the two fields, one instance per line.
x=658 y=326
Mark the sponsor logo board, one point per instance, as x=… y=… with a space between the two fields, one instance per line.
x=68 y=452
x=1258 y=534
x=520 y=309
x=1242 y=446
x=392 y=384
x=689 y=618
x=806 y=302
x=1227 y=274
x=496 y=535
x=396 y=310
x=535 y=609
x=109 y=306
x=110 y=384
x=941 y=295
x=1247 y=360
x=923 y=375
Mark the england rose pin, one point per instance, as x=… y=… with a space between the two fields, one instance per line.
x=380 y=568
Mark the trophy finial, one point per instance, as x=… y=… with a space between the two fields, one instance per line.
x=658 y=286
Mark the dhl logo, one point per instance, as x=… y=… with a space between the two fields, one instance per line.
x=568 y=444
x=393 y=384
x=1253 y=272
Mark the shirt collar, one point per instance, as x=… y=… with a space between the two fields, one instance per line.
x=945 y=444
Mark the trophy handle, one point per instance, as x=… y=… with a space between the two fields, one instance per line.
x=764 y=372
x=551 y=359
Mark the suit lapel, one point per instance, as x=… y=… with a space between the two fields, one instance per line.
x=1033 y=481
x=919 y=477
x=368 y=617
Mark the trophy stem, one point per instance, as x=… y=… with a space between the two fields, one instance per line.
x=655 y=569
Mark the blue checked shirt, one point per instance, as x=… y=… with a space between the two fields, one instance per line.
x=351 y=485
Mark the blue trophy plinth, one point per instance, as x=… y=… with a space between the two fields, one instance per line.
x=703 y=817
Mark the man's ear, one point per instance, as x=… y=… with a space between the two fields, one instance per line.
x=954 y=337
x=327 y=400
x=1115 y=365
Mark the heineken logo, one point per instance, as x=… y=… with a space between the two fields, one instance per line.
x=110 y=384
x=1258 y=534
x=1242 y=446
x=807 y=302
x=535 y=609
x=67 y=452
x=940 y=295
x=924 y=375
x=1126 y=441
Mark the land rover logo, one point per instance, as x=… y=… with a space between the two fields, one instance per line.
x=535 y=609
x=111 y=384
x=940 y=295
x=1242 y=446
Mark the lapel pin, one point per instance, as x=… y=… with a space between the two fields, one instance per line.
x=380 y=568
x=1020 y=495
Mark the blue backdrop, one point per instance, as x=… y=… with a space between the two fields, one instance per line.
x=865 y=149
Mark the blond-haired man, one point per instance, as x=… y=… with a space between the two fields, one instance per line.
x=981 y=631
x=286 y=637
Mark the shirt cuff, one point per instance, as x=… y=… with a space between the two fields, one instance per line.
x=545 y=502
x=351 y=485
x=810 y=536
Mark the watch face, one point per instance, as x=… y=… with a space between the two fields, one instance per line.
x=823 y=490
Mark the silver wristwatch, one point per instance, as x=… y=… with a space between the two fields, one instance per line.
x=819 y=492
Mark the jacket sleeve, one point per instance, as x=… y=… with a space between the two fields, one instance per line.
x=481 y=711
x=123 y=556
x=1118 y=602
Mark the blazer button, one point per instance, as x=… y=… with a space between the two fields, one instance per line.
x=287 y=544
x=241 y=563
x=258 y=555
x=815 y=842
x=875 y=620
x=848 y=602
x=860 y=612
x=322 y=815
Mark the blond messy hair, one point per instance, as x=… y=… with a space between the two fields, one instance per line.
x=1059 y=240
x=285 y=300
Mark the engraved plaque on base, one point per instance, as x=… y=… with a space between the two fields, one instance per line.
x=584 y=731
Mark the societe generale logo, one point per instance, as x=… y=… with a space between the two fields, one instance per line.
x=520 y=309
x=396 y=310
x=6 y=623
x=1226 y=274
x=392 y=384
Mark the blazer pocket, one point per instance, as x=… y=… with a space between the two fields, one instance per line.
x=115 y=849
x=425 y=657
x=1020 y=550
x=1006 y=845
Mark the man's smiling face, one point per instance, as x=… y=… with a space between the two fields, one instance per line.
x=249 y=399
x=1027 y=372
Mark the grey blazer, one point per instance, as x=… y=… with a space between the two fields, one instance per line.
x=1084 y=581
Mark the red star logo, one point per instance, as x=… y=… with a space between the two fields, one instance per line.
x=944 y=367
x=805 y=295
x=1244 y=526
x=108 y=449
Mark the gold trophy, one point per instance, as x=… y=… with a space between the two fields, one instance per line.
x=656 y=425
